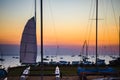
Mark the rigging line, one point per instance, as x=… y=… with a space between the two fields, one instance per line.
x=105 y=21
x=102 y=4
x=107 y=6
x=109 y=38
x=118 y=12
x=90 y=9
x=85 y=37
x=114 y=14
x=53 y=22
x=105 y=9
x=114 y=17
x=32 y=9
x=55 y=32
x=92 y=13
x=102 y=8
x=91 y=22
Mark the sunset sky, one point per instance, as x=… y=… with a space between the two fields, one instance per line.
x=66 y=22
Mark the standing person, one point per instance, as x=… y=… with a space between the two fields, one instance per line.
x=57 y=73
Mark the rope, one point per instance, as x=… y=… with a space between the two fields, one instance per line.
x=91 y=23
x=114 y=14
x=54 y=28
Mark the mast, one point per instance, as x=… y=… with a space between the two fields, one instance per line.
x=96 y=31
x=28 y=44
x=41 y=32
x=84 y=45
x=41 y=17
x=119 y=36
x=86 y=49
x=35 y=10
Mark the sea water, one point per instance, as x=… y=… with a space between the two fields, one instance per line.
x=13 y=60
x=62 y=53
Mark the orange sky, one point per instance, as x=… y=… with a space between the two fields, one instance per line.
x=64 y=25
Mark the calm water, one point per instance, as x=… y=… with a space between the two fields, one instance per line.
x=62 y=52
x=13 y=60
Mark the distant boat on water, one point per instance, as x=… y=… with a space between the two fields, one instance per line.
x=100 y=61
x=1 y=59
x=15 y=57
x=61 y=57
x=73 y=56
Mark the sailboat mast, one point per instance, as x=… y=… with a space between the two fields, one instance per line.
x=35 y=22
x=41 y=31
x=119 y=36
x=35 y=10
x=86 y=49
x=41 y=17
x=96 y=30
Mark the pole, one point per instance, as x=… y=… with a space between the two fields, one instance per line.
x=86 y=49
x=41 y=32
x=35 y=10
x=41 y=17
x=96 y=31
x=119 y=36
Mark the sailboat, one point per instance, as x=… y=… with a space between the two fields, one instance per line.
x=96 y=71
x=85 y=57
x=28 y=46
